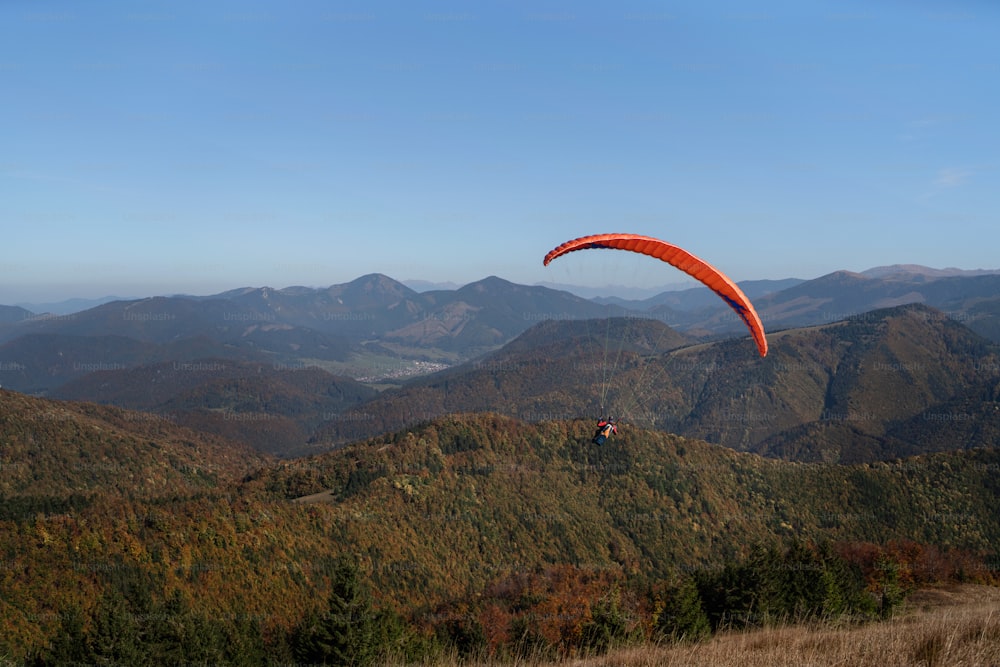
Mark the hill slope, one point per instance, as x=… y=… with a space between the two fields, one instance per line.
x=833 y=391
x=57 y=449
x=436 y=514
x=970 y=299
x=557 y=369
x=272 y=407
x=41 y=363
x=505 y=493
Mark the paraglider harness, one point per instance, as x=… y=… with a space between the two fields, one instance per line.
x=605 y=428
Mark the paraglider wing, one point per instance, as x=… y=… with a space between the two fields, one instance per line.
x=693 y=266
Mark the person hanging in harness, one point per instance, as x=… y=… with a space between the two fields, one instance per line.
x=605 y=429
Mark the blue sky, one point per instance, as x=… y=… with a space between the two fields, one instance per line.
x=166 y=147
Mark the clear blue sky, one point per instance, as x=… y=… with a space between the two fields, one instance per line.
x=161 y=147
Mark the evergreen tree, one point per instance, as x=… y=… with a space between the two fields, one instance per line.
x=166 y=633
x=70 y=645
x=609 y=624
x=398 y=641
x=729 y=594
x=800 y=590
x=683 y=617
x=241 y=641
x=115 y=637
x=890 y=587
x=465 y=635
x=344 y=633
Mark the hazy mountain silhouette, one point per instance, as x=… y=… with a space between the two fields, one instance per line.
x=699 y=297
x=13 y=314
x=909 y=271
x=971 y=297
x=972 y=300
x=359 y=326
x=69 y=306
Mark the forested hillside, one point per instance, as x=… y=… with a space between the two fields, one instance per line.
x=523 y=517
x=842 y=392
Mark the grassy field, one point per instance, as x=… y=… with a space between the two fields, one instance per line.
x=958 y=625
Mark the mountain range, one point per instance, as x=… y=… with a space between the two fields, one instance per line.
x=299 y=369
x=355 y=328
x=345 y=327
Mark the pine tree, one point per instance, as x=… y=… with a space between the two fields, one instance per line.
x=115 y=635
x=889 y=586
x=609 y=624
x=70 y=645
x=683 y=617
x=344 y=633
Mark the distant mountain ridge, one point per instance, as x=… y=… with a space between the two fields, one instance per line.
x=377 y=303
x=371 y=304
x=357 y=327
x=384 y=332
x=12 y=314
x=904 y=270
x=699 y=298
x=623 y=293
x=69 y=306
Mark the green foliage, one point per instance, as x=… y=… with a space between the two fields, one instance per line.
x=610 y=625
x=343 y=633
x=117 y=635
x=359 y=479
x=888 y=586
x=399 y=641
x=465 y=636
x=522 y=536
x=456 y=437
x=70 y=645
x=682 y=616
x=126 y=632
x=28 y=507
x=795 y=583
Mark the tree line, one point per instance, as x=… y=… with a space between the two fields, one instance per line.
x=553 y=611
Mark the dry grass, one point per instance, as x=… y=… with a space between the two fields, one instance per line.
x=956 y=626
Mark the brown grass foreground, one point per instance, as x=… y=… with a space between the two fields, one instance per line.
x=957 y=625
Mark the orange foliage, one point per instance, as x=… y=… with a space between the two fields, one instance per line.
x=919 y=564
x=556 y=599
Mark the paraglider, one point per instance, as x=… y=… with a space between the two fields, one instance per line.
x=605 y=429
x=678 y=257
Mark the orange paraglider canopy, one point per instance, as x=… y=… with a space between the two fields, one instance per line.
x=697 y=268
